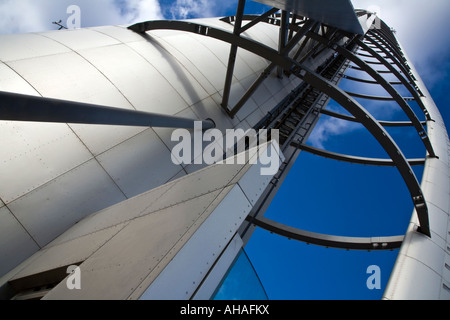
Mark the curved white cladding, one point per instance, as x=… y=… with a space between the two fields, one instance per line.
x=53 y=175
x=422 y=269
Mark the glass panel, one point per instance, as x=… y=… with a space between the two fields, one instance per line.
x=241 y=282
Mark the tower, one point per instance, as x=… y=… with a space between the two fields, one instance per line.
x=136 y=223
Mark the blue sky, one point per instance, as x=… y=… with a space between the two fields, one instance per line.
x=319 y=195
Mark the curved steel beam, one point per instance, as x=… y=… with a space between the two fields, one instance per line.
x=383 y=123
x=320 y=83
x=379 y=71
x=379 y=98
x=372 y=62
x=363 y=54
x=353 y=159
x=250 y=45
x=325 y=240
x=368 y=81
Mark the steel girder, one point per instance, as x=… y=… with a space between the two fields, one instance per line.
x=353 y=159
x=383 y=123
x=349 y=243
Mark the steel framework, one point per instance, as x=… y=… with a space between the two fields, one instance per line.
x=332 y=39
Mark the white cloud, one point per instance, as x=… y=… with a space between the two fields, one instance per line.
x=420 y=27
x=328 y=127
x=20 y=16
x=142 y=10
x=184 y=9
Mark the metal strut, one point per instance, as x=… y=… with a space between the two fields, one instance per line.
x=20 y=107
x=326 y=240
x=353 y=159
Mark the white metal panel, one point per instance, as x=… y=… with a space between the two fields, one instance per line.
x=53 y=208
x=100 y=138
x=268 y=34
x=208 y=179
x=175 y=73
x=136 y=78
x=439 y=140
x=119 y=33
x=426 y=251
x=140 y=163
x=68 y=76
x=165 y=196
x=222 y=51
x=253 y=183
x=255 y=62
x=80 y=39
x=190 y=67
x=180 y=174
x=69 y=252
x=437 y=194
x=12 y=82
x=201 y=251
x=438 y=221
x=115 y=215
x=24 y=46
x=203 y=58
x=39 y=152
x=165 y=134
x=138 y=251
x=414 y=275
x=17 y=244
